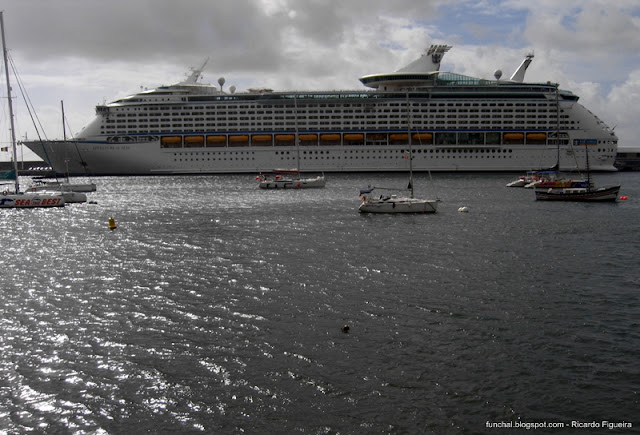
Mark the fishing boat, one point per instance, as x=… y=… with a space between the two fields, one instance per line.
x=461 y=123
x=584 y=193
x=561 y=182
x=17 y=199
x=578 y=194
x=394 y=203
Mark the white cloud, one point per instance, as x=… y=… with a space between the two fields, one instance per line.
x=87 y=52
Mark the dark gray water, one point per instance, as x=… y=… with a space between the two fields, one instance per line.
x=216 y=307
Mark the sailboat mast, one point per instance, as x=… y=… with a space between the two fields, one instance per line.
x=557 y=129
x=295 y=114
x=6 y=73
x=586 y=153
x=64 y=130
x=410 y=146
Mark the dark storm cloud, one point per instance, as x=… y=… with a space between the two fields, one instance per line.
x=246 y=34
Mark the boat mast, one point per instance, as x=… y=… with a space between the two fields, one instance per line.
x=557 y=129
x=586 y=154
x=64 y=130
x=295 y=114
x=410 y=147
x=13 y=131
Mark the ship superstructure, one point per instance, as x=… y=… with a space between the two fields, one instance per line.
x=454 y=122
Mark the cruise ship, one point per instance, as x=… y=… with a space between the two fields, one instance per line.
x=451 y=122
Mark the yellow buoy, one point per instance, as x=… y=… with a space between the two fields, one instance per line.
x=112 y=224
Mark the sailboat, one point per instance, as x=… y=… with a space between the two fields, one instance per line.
x=290 y=178
x=64 y=186
x=17 y=199
x=579 y=193
x=395 y=203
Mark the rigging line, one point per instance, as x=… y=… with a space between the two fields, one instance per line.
x=82 y=162
x=27 y=99
x=31 y=114
x=34 y=117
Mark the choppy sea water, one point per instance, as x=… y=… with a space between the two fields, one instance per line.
x=216 y=307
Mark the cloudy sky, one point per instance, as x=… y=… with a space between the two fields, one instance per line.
x=86 y=52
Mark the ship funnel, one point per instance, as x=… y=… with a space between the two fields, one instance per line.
x=429 y=61
x=518 y=76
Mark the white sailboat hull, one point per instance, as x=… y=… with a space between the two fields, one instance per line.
x=31 y=200
x=399 y=205
x=64 y=187
x=69 y=196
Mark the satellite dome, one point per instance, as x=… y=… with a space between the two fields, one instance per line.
x=497 y=74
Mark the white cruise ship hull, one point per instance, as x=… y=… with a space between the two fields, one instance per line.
x=148 y=158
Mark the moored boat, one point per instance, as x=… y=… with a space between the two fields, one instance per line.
x=290 y=179
x=69 y=196
x=578 y=194
x=528 y=178
x=40 y=185
x=547 y=179
x=396 y=204
x=19 y=199
x=587 y=192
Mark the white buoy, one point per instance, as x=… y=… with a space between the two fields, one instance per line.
x=463 y=209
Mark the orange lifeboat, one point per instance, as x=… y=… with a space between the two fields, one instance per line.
x=330 y=137
x=261 y=138
x=171 y=140
x=194 y=140
x=397 y=136
x=217 y=140
x=308 y=137
x=285 y=137
x=239 y=140
x=353 y=136
x=513 y=136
